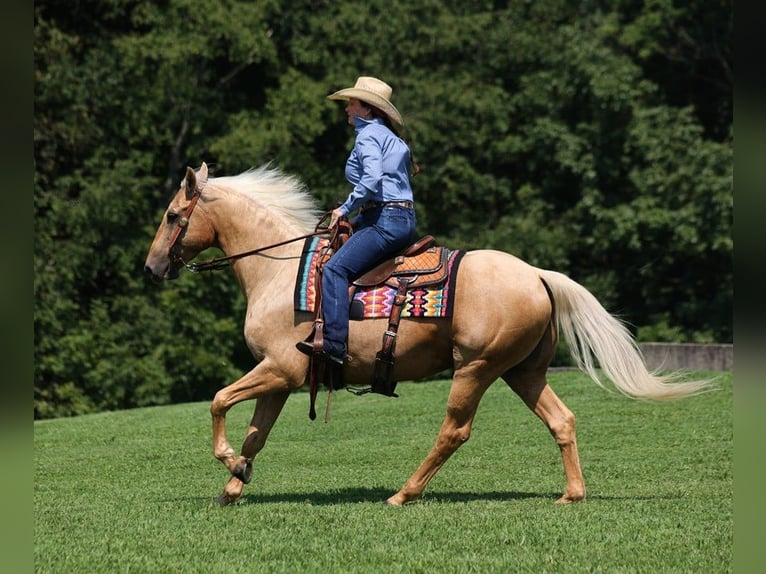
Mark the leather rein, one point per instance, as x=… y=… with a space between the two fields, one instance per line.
x=223 y=262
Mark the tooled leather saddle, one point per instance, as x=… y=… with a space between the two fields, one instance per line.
x=420 y=265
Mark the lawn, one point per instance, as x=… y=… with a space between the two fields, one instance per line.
x=132 y=491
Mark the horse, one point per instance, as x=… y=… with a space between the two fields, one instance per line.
x=264 y=210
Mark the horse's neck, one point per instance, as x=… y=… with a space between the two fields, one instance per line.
x=242 y=226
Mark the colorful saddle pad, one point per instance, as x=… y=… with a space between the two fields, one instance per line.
x=376 y=302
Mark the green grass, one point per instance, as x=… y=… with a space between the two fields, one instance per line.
x=132 y=491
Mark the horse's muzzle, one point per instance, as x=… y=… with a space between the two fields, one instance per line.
x=150 y=272
x=170 y=272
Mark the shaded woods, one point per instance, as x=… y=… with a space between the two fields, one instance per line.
x=594 y=138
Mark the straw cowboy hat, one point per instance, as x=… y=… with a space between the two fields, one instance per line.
x=372 y=91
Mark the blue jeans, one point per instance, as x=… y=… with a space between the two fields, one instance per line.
x=379 y=233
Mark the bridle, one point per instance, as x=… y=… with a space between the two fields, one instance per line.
x=222 y=262
x=182 y=224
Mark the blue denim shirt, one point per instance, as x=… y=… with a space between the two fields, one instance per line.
x=378 y=166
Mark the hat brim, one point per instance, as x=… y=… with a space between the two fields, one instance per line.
x=371 y=98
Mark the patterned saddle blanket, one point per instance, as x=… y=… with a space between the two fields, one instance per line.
x=376 y=301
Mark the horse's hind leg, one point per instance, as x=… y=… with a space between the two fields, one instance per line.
x=464 y=397
x=534 y=390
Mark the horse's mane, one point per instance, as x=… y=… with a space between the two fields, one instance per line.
x=271 y=188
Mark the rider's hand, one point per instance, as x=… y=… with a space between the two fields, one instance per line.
x=336 y=215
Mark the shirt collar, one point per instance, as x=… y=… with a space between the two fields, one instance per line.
x=361 y=123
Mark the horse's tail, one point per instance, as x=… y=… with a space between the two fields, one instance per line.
x=592 y=332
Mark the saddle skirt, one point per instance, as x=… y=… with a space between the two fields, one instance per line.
x=430 y=272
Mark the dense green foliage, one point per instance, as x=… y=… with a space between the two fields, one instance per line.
x=594 y=138
x=659 y=479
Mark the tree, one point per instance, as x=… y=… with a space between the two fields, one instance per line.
x=593 y=138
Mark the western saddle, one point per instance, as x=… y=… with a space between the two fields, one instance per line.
x=422 y=264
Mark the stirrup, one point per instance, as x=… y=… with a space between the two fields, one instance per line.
x=305 y=347
x=359 y=391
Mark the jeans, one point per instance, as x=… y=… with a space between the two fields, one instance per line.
x=379 y=233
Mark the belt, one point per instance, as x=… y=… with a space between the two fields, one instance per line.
x=377 y=204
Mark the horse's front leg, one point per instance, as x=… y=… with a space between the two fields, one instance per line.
x=271 y=391
x=267 y=409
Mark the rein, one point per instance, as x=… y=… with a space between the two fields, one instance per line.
x=223 y=262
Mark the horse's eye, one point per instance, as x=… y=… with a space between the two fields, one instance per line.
x=172 y=217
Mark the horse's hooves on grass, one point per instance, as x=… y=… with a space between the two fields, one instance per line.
x=243 y=470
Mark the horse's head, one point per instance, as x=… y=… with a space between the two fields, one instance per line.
x=180 y=236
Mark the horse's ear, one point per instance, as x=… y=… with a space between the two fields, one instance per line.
x=191 y=182
x=195 y=181
x=202 y=175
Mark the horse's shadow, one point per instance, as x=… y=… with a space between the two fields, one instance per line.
x=327 y=497
x=379 y=495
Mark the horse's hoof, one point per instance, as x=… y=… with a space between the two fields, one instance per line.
x=224 y=499
x=243 y=470
x=568 y=499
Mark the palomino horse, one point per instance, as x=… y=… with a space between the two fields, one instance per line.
x=513 y=339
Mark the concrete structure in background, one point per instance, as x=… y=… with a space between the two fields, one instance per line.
x=675 y=356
